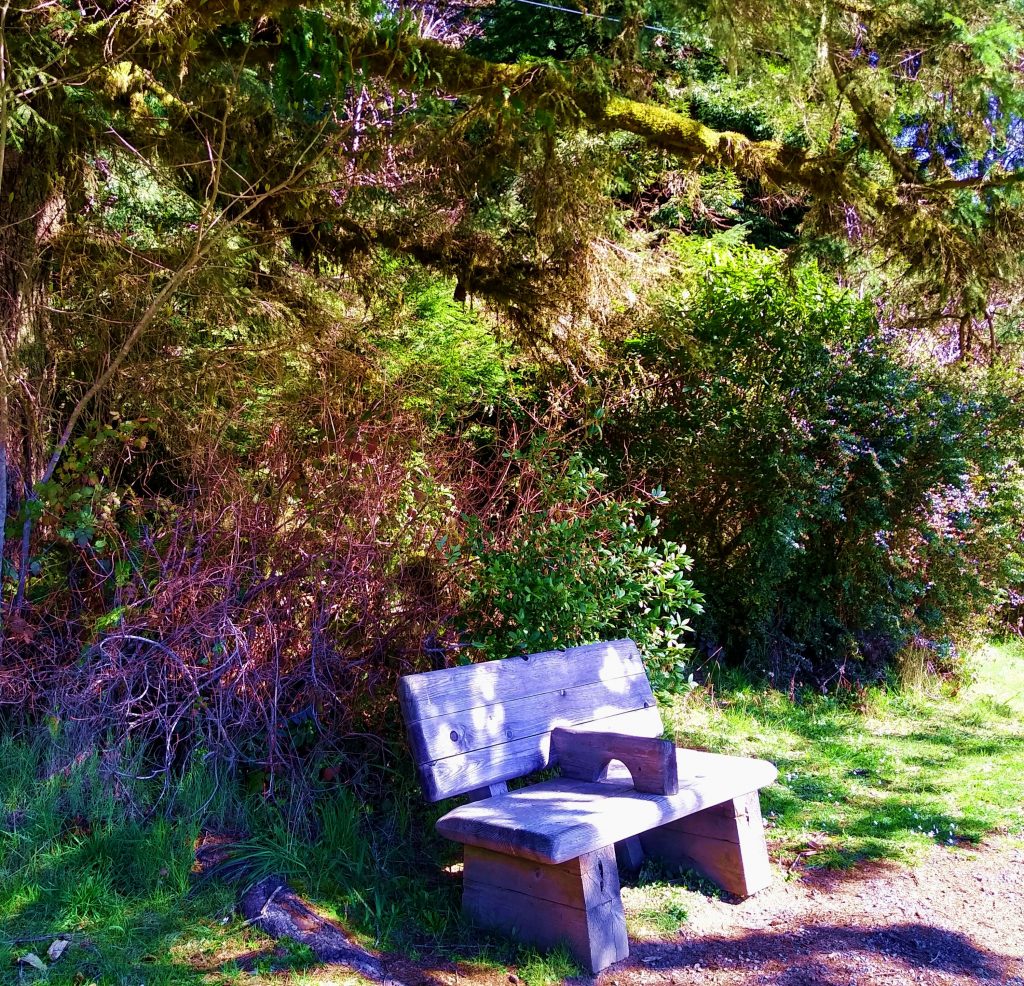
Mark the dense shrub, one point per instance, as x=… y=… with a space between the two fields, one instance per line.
x=261 y=617
x=441 y=356
x=571 y=564
x=839 y=501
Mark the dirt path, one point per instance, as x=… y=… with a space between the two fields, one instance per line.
x=955 y=919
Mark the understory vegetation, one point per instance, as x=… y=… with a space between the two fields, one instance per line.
x=880 y=773
x=755 y=474
x=343 y=341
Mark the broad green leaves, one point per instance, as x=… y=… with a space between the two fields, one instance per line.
x=838 y=498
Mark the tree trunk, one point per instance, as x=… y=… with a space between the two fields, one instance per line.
x=29 y=211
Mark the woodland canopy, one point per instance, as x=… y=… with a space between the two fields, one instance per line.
x=344 y=339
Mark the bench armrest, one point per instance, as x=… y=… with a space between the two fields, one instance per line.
x=585 y=755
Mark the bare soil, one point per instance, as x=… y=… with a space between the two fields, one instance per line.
x=956 y=919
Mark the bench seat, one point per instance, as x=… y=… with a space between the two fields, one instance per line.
x=557 y=820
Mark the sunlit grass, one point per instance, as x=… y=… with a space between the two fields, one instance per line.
x=879 y=774
x=872 y=775
x=76 y=864
x=547 y=968
x=658 y=902
x=999 y=676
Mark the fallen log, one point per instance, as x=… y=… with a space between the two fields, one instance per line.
x=273 y=907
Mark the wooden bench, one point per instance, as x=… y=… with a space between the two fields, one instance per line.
x=540 y=861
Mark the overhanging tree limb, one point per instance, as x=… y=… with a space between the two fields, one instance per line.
x=900 y=165
x=155 y=37
x=416 y=63
x=419 y=63
x=905 y=212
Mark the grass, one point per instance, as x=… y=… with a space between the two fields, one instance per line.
x=537 y=969
x=88 y=856
x=879 y=774
x=658 y=901
x=73 y=865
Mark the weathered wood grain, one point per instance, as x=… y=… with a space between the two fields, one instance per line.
x=585 y=756
x=586 y=915
x=560 y=819
x=451 y=776
x=503 y=720
x=717 y=822
x=582 y=882
x=452 y=690
x=273 y=907
x=724 y=843
x=595 y=938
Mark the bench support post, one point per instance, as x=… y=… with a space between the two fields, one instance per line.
x=629 y=854
x=576 y=903
x=724 y=843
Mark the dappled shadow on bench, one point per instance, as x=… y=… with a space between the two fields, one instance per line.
x=559 y=819
x=826 y=954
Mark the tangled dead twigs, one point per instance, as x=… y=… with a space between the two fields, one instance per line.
x=255 y=631
x=262 y=630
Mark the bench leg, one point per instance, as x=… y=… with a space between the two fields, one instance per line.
x=629 y=854
x=724 y=843
x=576 y=903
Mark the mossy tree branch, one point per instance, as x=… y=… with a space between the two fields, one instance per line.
x=416 y=63
x=574 y=102
x=908 y=214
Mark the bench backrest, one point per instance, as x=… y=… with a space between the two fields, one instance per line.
x=481 y=724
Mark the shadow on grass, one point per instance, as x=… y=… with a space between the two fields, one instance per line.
x=870 y=789
x=826 y=954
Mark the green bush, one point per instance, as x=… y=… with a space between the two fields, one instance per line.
x=840 y=501
x=579 y=566
x=441 y=356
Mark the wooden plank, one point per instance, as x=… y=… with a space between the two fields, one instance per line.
x=629 y=855
x=595 y=938
x=583 y=882
x=560 y=819
x=717 y=822
x=451 y=776
x=502 y=721
x=736 y=858
x=719 y=861
x=452 y=690
x=490 y=791
x=594 y=932
x=585 y=755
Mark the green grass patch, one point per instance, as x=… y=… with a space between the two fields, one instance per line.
x=537 y=969
x=658 y=901
x=106 y=864
x=999 y=677
x=88 y=855
x=80 y=861
x=879 y=774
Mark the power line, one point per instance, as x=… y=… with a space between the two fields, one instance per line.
x=600 y=17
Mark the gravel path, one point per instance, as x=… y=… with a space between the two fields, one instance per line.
x=956 y=919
